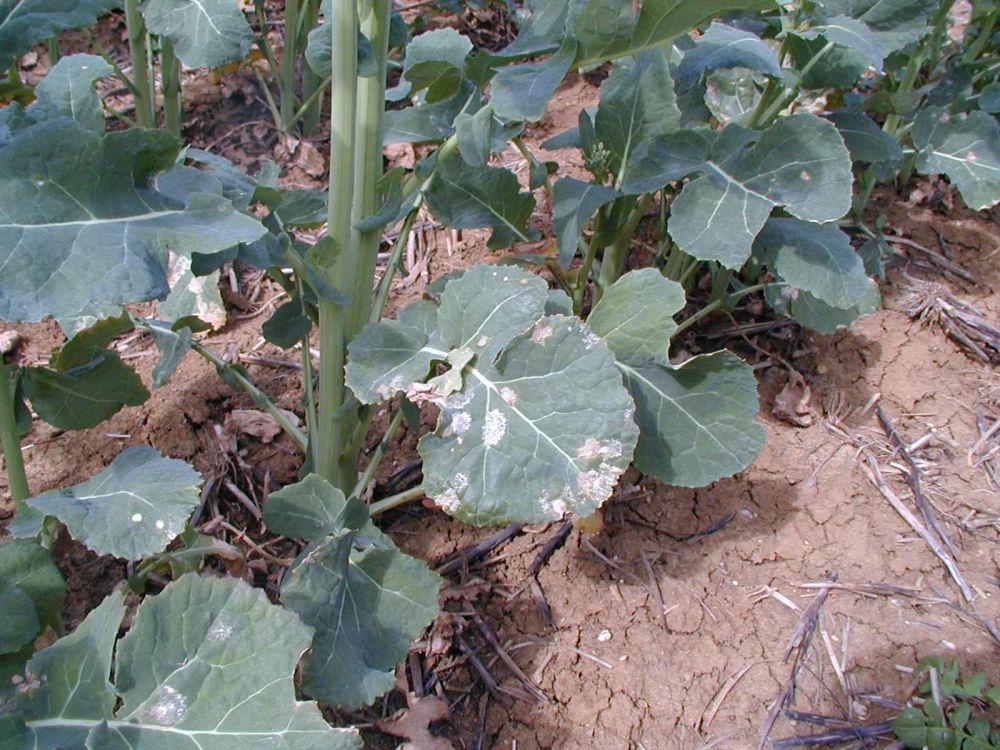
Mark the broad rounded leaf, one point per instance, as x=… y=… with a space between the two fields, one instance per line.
x=965 y=148
x=718 y=215
x=635 y=315
x=544 y=432
x=18 y=619
x=72 y=201
x=367 y=607
x=573 y=203
x=131 y=509
x=521 y=92
x=893 y=23
x=385 y=358
x=313 y=508
x=25 y=565
x=25 y=23
x=816 y=315
x=723 y=46
x=68 y=91
x=435 y=61
x=697 y=421
x=192 y=295
x=815 y=258
x=208 y=663
x=851 y=33
x=205 y=33
x=866 y=141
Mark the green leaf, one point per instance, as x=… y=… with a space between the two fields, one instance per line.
x=723 y=46
x=893 y=23
x=637 y=103
x=662 y=160
x=697 y=421
x=288 y=326
x=84 y=396
x=732 y=96
x=319 y=48
x=367 y=606
x=573 y=203
x=208 y=663
x=191 y=295
x=435 y=61
x=817 y=315
x=205 y=33
x=314 y=508
x=815 y=258
x=302 y=208
x=87 y=343
x=838 y=68
x=475 y=136
x=72 y=201
x=465 y=197
x=965 y=148
x=427 y=122
x=25 y=23
x=172 y=345
x=851 y=33
x=522 y=92
x=718 y=215
x=989 y=98
x=68 y=91
x=635 y=315
x=18 y=620
x=26 y=567
x=911 y=728
x=132 y=508
x=866 y=141
x=385 y=359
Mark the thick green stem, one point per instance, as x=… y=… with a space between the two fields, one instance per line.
x=976 y=48
x=286 y=77
x=913 y=66
x=377 y=455
x=139 y=47
x=10 y=441
x=170 y=69
x=53 y=50
x=334 y=319
x=616 y=256
x=394 y=501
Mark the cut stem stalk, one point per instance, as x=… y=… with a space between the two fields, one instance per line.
x=138 y=44
x=10 y=441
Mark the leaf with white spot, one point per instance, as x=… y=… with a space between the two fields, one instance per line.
x=131 y=509
x=540 y=426
x=205 y=33
x=697 y=421
x=966 y=148
x=73 y=202
x=208 y=663
x=800 y=163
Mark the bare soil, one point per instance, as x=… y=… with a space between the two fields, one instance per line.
x=618 y=669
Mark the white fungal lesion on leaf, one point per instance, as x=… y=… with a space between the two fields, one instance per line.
x=167 y=709
x=494 y=427
x=541 y=332
x=509 y=395
x=136 y=517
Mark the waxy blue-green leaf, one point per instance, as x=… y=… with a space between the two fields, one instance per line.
x=288 y=326
x=865 y=140
x=522 y=92
x=732 y=95
x=172 y=345
x=637 y=104
x=68 y=91
x=435 y=60
x=893 y=23
x=367 y=607
x=313 y=509
x=205 y=33
x=191 y=295
x=812 y=313
x=25 y=23
x=965 y=148
x=131 y=509
x=18 y=619
x=573 y=204
x=659 y=161
x=85 y=395
x=815 y=258
x=501 y=450
x=72 y=201
x=850 y=33
x=28 y=569
x=427 y=122
x=989 y=98
x=698 y=420
x=207 y=663
x=718 y=214
x=465 y=197
x=723 y=46
x=635 y=315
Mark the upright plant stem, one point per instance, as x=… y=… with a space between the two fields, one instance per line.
x=286 y=81
x=53 y=50
x=9 y=440
x=314 y=84
x=334 y=319
x=170 y=69
x=976 y=48
x=139 y=47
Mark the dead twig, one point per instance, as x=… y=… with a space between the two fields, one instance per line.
x=932 y=303
x=490 y=637
x=537 y=592
x=938 y=260
x=479 y=549
x=837 y=736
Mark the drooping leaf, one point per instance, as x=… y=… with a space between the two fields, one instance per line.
x=435 y=61
x=25 y=23
x=319 y=48
x=815 y=314
x=501 y=451
x=86 y=343
x=966 y=148
x=723 y=46
x=288 y=326
x=866 y=141
x=68 y=91
x=208 y=663
x=192 y=295
x=635 y=315
x=205 y=33
x=72 y=201
x=302 y=208
x=660 y=161
x=697 y=421
x=815 y=258
x=130 y=509
x=427 y=122
x=637 y=104
x=850 y=33
x=367 y=607
x=989 y=98
x=522 y=92
x=479 y=135
x=85 y=395
x=172 y=345
x=839 y=67
x=573 y=204
x=27 y=568
x=718 y=214
x=465 y=197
